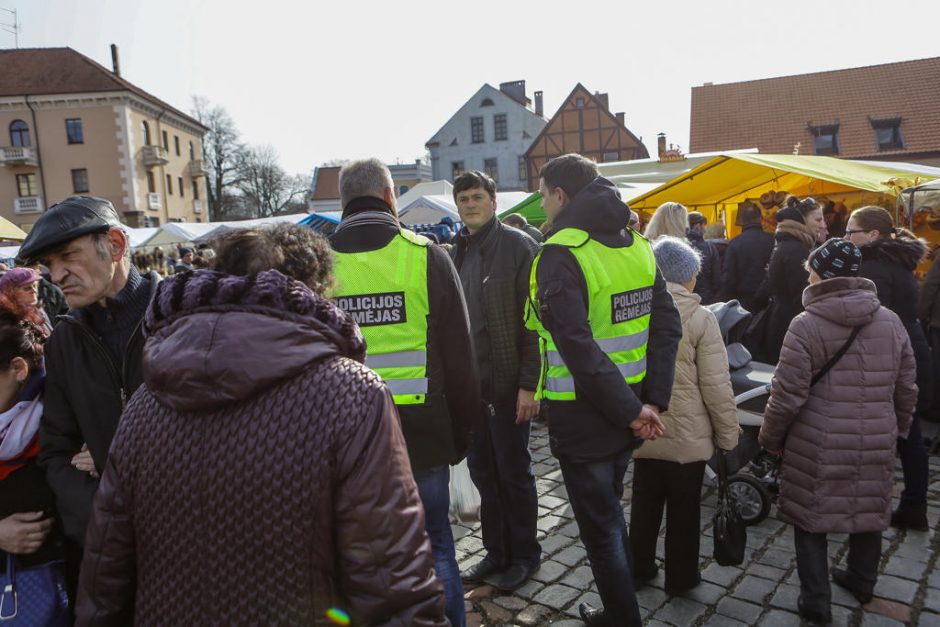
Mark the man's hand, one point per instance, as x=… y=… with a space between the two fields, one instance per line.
x=647 y=425
x=83 y=461
x=526 y=406
x=24 y=532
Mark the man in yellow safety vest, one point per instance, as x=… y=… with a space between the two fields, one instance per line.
x=406 y=297
x=609 y=332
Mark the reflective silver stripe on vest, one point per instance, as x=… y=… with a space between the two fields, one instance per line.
x=407 y=386
x=566 y=384
x=609 y=345
x=403 y=359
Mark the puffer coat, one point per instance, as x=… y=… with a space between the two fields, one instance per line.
x=259 y=476
x=838 y=437
x=701 y=411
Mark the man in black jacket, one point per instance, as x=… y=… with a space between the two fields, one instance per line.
x=708 y=283
x=594 y=431
x=494 y=262
x=746 y=259
x=93 y=357
x=437 y=431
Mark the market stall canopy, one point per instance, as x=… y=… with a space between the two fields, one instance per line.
x=729 y=179
x=322 y=221
x=197 y=232
x=9 y=231
x=140 y=235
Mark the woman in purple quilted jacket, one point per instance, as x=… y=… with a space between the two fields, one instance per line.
x=838 y=437
x=259 y=476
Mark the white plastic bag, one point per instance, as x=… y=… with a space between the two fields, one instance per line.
x=464 y=496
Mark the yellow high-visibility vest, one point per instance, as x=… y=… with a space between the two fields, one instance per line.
x=620 y=298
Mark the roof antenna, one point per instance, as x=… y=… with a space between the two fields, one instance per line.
x=13 y=28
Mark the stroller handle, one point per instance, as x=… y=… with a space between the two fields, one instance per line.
x=754 y=393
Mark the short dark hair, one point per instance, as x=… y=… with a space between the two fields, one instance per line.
x=571 y=172
x=293 y=250
x=751 y=214
x=515 y=219
x=472 y=180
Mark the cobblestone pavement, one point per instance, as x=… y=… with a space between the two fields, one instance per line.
x=763 y=591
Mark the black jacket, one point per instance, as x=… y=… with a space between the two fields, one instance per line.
x=708 y=285
x=85 y=395
x=890 y=264
x=510 y=353
x=25 y=490
x=596 y=424
x=437 y=432
x=745 y=265
x=928 y=310
x=786 y=279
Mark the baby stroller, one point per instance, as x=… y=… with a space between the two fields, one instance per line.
x=752 y=480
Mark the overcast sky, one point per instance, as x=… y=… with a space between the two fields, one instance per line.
x=346 y=79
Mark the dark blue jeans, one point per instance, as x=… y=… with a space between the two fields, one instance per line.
x=501 y=468
x=434 y=489
x=594 y=490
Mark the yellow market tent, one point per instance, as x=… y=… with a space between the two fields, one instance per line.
x=717 y=186
x=11 y=232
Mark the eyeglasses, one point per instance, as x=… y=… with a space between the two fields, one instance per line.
x=851 y=231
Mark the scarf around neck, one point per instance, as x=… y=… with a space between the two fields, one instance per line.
x=19 y=426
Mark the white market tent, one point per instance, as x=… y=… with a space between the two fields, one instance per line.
x=438 y=188
x=140 y=235
x=431 y=208
x=180 y=232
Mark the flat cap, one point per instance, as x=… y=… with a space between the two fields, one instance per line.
x=73 y=217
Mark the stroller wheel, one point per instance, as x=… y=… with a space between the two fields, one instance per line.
x=750 y=497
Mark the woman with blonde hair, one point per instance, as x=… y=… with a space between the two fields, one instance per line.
x=889 y=256
x=670 y=218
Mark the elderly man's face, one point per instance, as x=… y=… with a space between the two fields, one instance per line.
x=83 y=269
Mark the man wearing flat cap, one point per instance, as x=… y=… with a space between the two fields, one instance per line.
x=93 y=358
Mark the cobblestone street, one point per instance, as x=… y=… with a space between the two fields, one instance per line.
x=763 y=591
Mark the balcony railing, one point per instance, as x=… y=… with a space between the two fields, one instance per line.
x=156 y=155
x=197 y=168
x=18 y=155
x=197 y=206
x=27 y=204
x=154 y=201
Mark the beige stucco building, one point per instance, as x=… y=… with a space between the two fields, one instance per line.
x=70 y=126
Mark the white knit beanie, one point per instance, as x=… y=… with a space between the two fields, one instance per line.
x=677 y=260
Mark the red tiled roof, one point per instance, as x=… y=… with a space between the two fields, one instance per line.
x=773 y=114
x=46 y=71
x=327 y=184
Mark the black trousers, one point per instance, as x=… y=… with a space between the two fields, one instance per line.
x=677 y=487
x=501 y=468
x=812 y=565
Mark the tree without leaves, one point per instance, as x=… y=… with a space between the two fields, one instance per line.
x=222 y=149
x=264 y=185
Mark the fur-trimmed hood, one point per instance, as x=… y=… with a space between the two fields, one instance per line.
x=905 y=251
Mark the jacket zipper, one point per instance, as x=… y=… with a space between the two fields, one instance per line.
x=120 y=378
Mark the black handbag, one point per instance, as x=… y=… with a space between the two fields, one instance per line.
x=34 y=596
x=730 y=533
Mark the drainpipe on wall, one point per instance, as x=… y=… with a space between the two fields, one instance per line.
x=166 y=198
x=42 y=178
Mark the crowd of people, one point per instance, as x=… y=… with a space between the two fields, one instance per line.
x=263 y=432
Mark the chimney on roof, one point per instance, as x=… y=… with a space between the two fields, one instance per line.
x=603 y=99
x=661 y=144
x=515 y=90
x=620 y=118
x=115 y=63
x=538 y=104
x=708 y=84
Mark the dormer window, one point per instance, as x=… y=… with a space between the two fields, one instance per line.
x=825 y=138
x=579 y=103
x=887 y=133
x=486 y=103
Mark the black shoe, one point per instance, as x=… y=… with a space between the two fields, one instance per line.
x=910 y=516
x=592 y=615
x=643 y=578
x=513 y=577
x=480 y=571
x=672 y=590
x=843 y=579
x=815 y=617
